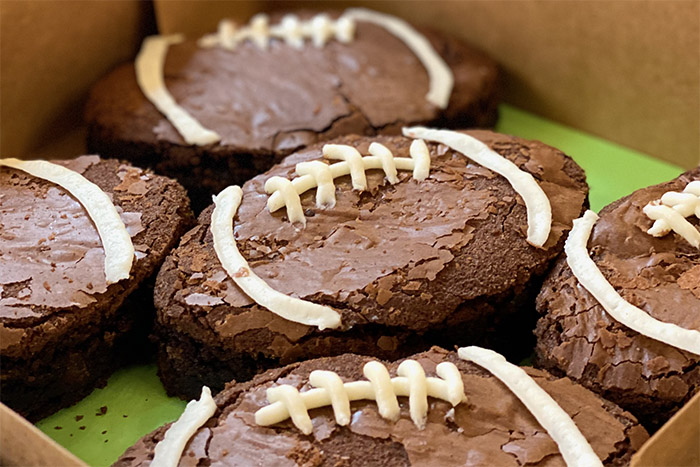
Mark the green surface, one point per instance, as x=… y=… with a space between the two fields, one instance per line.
x=613 y=171
x=136 y=404
x=135 y=400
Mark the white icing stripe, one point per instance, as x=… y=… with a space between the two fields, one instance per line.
x=539 y=210
x=384 y=395
x=420 y=153
x=332 y=383
x=320 y=29
x=149 y=74
x=387 y=158
x=670 y=211
x=295 y=212
x=352 y=156
x=311 y=175
x=293 y=309
x=417 y=391
x=119 y=250
x=323 y=178
x=287 y=402
x=573 y=446
x=590 y=277
x=440 y=74
x=168 y=451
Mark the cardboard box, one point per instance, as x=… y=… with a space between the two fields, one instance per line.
x=624 y=70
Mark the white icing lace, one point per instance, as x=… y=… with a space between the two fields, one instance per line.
x=319 y=29
x=670 y=212
x=293 y=309
x=573 y=446
x=287 y=402
x=318 y=174
x=539 y=210
x=590 y=277
x=149 y=74
x=168 y=451
x=116 y=241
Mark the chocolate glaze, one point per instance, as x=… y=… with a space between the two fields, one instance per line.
x=266 y=103
x=406 y=258
x=59 y=321
x=492 y=428
x=659 y=275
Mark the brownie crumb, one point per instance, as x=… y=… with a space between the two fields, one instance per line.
x=103 y=410
x=124 y=416
x=104 y=432
x=82 y=427
x=58 y=427
x=78 y=418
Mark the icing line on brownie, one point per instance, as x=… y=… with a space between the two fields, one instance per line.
x=149 y=65
x=116 y=241
x=287 y=402
x=590 y=277
x=439 y=73
x=293 y=309
x=150 y=61
x=539 y=210
x=318 y=174
x=669 y=213
x=573 y=446
x=320 y=29
x=168 y=451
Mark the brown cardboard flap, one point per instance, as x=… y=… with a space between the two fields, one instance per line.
x=624 y=70
x=23 y=444
x=50 y=54
x=677 y=443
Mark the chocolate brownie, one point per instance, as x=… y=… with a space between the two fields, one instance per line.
x=443 y=261
x=491 y=428
x=62 y=329
x=661 y=276
x=264 y=103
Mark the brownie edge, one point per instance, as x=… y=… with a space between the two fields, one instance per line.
x=492 y=428
x=63 y=329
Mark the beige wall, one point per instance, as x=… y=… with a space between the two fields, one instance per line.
x=627 y=70
x=50 y=54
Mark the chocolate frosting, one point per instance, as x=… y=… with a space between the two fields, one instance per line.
x=659 y=275
x=404 y=255
x=51 y=256
x=492 y=428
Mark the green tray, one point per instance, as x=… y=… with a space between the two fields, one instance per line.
x=134 y=399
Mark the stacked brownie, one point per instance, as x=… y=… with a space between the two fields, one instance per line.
x=266 y=102
x=491 y=427
x=64 y=330
x=441 y=261
x=660 y=275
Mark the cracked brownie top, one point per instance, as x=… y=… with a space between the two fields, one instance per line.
x=265 y=102
x=52 y=259
x=659 y=275
x=396 y=260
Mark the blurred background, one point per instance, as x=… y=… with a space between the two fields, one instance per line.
x=625 y=70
